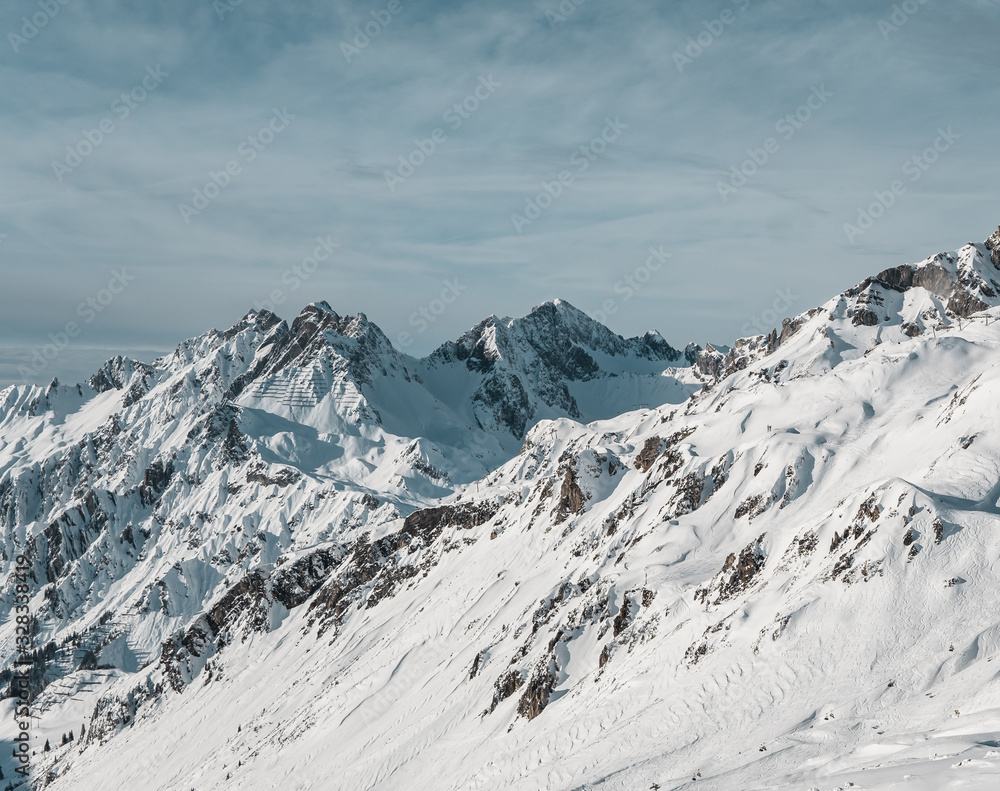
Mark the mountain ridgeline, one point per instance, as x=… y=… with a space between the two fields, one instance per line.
x=543 y=556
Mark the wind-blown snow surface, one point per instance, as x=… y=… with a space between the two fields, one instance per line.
x=787 y=581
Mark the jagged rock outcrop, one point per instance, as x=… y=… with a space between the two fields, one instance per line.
x=993 y=245
x=529 y=364
x=251 y=515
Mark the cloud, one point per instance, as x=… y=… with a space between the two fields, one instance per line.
x=558 y=83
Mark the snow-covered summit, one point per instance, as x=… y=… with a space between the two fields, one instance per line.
x=562 y=336
x=557 y=360
x=284 y=537
x=936 y=294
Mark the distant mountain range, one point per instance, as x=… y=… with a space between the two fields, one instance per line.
x=543 y=556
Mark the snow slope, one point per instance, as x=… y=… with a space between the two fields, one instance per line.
x=785 y=581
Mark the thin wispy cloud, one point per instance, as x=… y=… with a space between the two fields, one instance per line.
x=75 y=208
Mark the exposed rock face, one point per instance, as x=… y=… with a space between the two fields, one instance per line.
x=249 y=524
x=374 y=571
x=935 y=279
x=428 y=524
x=117 y=373
x=360 y=343
x=691 y=353
x=898 y=278
x=737 y=573
x=963 y=286
x=505 y=686
x=571 y=497
x=366 y=573
x=961 y=279
x=155 y=481
x=538 y=690
x=867 y=318
x=624 y=617
x=477 y=664
x=788 y=328
x=263 y=320
x=112 y=712
x=293 y=584
x=964 y=304
x=282 y=478
x=711 y=362
x=529 y=362
x=73 y=534
x=188 y=462
x=688 y=497
x=993 y=245
x=247 y=607
x=650 y=451
x=502 y=396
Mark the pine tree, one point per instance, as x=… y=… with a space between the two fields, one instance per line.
x=71 y=735
x=83 y=730
x=47 y=747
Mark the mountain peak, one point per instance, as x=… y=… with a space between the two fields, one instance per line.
x=965 y=278
x=553 y=331
x=560 y=306
x=305 y=501
x=321 y=306
x=993 y=245
x=262 y=320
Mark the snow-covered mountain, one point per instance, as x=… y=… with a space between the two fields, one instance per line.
x=555 y=361
x=294 y=557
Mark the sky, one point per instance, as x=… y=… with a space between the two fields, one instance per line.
x=697 y=168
